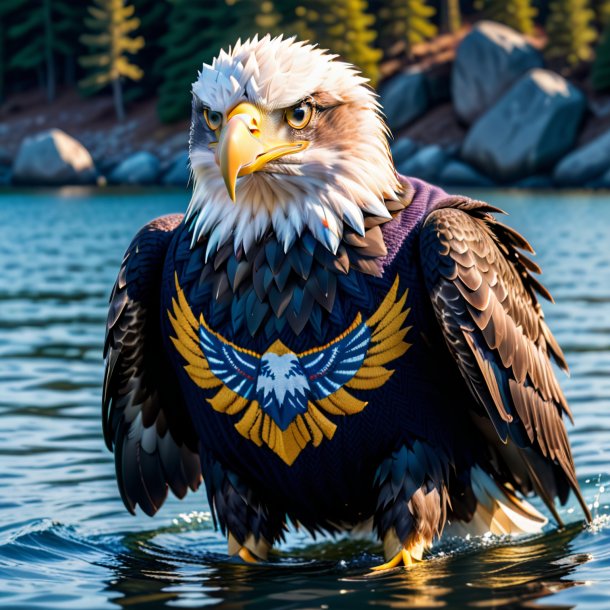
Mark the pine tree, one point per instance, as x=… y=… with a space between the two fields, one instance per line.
x=3 y=62
x=267 y=19
x=570 y=31
x=195 y=34
x=517 y=14
x=31 y=30
x=15 y=74
x=112 y=22
x=451 y=17
x=602 y=12
x=153 y=16
x=600 y=74
x=68 y=17
x=7 y=8
x=296 y=18
x=407 y=22
x=346 y=28
x=36 y=30
x=251 y=17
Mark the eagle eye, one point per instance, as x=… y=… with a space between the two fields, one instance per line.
x=212 y=118
x=298 y=116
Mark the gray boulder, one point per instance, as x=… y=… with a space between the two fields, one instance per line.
x=535 y=182
x=402 y=149
x=6 y=175
x=53 y=158
x=528 y=130
x=488 y=61
x=426 y=164
x=585 y=163
x=457 y=173
x=404 y=98
x=438 y=81
x=139 y=168
x=5 y=156
x=178 y=173
x=601 y=182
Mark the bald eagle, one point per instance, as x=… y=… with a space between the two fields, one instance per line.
x=324 y=341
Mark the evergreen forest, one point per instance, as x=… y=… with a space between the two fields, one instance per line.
x=135 y=49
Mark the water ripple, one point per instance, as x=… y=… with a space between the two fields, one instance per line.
x=66 y=540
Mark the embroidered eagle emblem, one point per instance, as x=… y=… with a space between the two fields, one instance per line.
x=283 y=398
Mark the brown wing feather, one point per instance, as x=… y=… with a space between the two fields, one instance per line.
x=144 y=418
x=486 y=302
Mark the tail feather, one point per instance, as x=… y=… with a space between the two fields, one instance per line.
x=498 y=511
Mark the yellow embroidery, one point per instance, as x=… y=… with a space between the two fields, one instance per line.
x=387 y=343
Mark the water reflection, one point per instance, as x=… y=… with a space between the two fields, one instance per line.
x=497 y=575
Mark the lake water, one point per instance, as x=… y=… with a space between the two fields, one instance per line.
x=66 y=540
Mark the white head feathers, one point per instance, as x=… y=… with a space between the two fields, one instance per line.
x=345 y=172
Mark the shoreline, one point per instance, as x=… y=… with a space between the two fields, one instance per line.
x=443 y=133
x=116 y=189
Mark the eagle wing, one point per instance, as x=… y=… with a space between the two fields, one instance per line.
x=145 y=420
x=485 y=300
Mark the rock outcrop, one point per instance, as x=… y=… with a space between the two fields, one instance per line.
x=427 y=163
x=140 y=168
x=585 y=164
x=404 y=98
x=457 y=173
x=532 y=126
x=178 y=173
x=603 y=182
x=403 y=149
x=53 y=158
x=490 y=59
x=6 y=175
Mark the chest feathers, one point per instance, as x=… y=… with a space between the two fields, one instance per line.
x=263 y=289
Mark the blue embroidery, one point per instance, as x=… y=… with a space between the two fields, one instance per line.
x=281 y=381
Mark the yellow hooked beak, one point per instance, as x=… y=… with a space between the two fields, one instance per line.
x=242 y=148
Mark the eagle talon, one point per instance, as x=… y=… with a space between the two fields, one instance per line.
x=404 y=557
x=246 y=556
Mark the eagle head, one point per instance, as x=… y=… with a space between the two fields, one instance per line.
x=285 y=137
